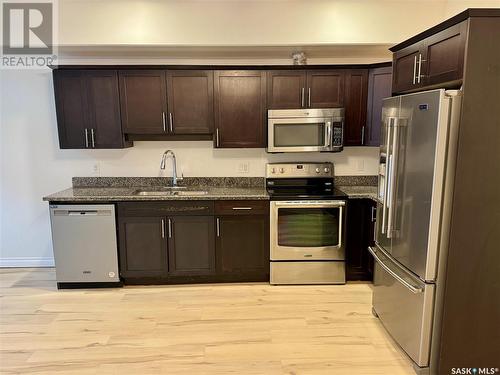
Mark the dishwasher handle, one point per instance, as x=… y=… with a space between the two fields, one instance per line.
x=62 y=212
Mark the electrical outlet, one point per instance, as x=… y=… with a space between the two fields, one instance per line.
x=361 y=165
x=96 y=169
x=243 y=168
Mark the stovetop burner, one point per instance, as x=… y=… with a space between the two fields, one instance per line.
x=301 y=181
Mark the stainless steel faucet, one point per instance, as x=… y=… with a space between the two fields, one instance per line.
x=164 y=157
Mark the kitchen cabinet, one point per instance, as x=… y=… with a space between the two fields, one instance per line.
x=143 y=99
x=142 y=246
x=191 y=245
x=379 y=87
x=434 y=61
x=325 y=88
x=166 y=239
x=240 y=109
x=286 y=89
x=321 y=88
x=242 y=240
x=360 y=231
x=356 y=91
x=87 y=107
x=190 y=96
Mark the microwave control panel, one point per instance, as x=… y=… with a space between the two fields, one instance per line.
x=337 y=136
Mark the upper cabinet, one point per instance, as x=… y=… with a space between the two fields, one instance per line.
x=325 y=88
x=356 y=88
x=286 y=89
x=304 y=89
x=434 y=61
x=240 y=108
x=190 y=101
x=379 y=88
x=88 y=110
x=143 y=97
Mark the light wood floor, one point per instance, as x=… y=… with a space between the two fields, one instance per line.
x=190 y=329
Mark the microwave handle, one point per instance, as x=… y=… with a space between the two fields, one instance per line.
x=328 y=134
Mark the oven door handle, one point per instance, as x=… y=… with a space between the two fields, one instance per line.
x=308 y=204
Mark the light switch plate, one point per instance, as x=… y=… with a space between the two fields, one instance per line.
x=244 y=168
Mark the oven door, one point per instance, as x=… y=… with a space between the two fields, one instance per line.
x=307 y=230
x=300 y=134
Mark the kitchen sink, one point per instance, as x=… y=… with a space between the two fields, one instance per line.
x=169 y=191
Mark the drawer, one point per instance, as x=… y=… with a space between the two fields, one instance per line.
x=165 y=208
x=242 y=207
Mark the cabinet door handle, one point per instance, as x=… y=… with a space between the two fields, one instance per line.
x=217 y=222
x=302 y=97
x=86 y=138
x=414 y=69
x=374 y=214
x=92 y=137
x=162 y=228
x=309 y=97
x=164 y=121
x=169 y=228
x=217 y=137
x=363 y=135
x=241 y=208
x=171 y=120
x=420 y=61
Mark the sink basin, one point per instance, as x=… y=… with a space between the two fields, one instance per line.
x=169 y=191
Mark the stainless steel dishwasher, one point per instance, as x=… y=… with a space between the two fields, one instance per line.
x=85 y=246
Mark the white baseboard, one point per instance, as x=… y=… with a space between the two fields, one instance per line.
x=27 y=262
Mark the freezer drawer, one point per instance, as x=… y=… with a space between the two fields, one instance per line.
x=404 y=305
x=84 y=242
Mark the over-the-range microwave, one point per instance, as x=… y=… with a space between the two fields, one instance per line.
x=305 y=130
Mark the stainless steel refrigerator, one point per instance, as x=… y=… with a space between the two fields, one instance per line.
x=417 y=155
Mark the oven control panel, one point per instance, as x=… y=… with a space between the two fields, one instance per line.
x=299 y=170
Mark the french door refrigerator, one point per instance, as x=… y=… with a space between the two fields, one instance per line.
x=417 y=155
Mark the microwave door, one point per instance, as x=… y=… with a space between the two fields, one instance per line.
x=299 y=134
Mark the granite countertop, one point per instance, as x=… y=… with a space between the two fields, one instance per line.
x=108 y=189
x=353 y=192
x=89 y=194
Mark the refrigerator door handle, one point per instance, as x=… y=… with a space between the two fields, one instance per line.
x=393 y=158
x=387 y=179
x=412 y=288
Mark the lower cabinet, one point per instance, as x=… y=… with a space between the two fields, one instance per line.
x=191 y=245
x=360 y=234
x=181 y=241
x=243 y=246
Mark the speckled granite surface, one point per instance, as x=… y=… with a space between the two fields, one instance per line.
x=354 y=192
x=355 y=180
x=222 y=182
x=109 y=189
x=93 y=194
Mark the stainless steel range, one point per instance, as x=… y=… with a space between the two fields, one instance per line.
x=307 y=224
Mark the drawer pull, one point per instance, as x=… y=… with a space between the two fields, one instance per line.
x=242 y=208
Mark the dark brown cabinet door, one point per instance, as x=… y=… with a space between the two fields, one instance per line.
x=243 y=247
x=143 y=101
x=325 y=89
x=379 y=88
x=406 y=64
x=240 y=109
x=445 y=53
x=191 y=245
x=356 y=91
x=360 y=224
x=190 y=101
x=143 y=247
x=71 y=108
x=286 y=89
x=104 y=109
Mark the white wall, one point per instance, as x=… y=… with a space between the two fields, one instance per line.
x=32 y=165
